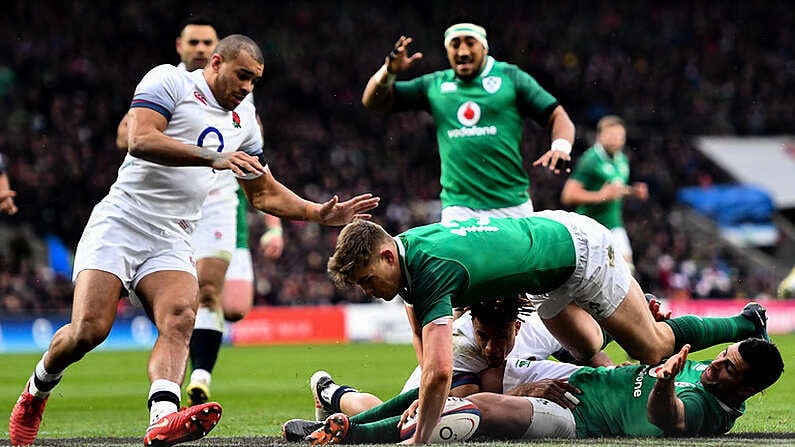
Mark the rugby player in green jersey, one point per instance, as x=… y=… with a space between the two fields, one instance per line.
x=564 y=261
x=478 y=106
x=600 y=181
x=677 y=398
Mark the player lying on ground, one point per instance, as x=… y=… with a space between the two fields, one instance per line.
x=483 y=337
x=565 y=261
x=679 y=397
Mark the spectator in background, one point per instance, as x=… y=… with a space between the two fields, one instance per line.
x=600 y=181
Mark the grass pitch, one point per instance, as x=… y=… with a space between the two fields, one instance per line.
x=102 y=399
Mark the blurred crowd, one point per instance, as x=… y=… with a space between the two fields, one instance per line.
x=671 y=71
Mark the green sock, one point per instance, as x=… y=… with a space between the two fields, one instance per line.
x=703 y=332
x=380 y=432
x=393 y=407
x=378 y=425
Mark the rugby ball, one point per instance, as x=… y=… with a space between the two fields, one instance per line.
x=459 y=421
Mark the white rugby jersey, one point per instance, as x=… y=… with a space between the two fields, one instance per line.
x=173 y=195
x=225 y=186
x=520 y=371
x=534 y=341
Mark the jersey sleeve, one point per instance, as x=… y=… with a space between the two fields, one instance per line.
x=531 y=99
x=160 y=90
x=701 y=417
x=412 y=94
x=435 y=287
x=2 y=164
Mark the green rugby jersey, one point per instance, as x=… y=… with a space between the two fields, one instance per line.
x=614 y=402
x=479 y=130
x=595 y=168
x=241 y=240
x=479 y=259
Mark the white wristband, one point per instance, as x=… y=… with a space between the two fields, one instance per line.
x=561 y=145
x=390 y=77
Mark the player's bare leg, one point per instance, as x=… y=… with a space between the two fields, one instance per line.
x=169 y=297
x=238 y=298
x=208 y=330
x=635 y=329
x=96 y=297
x=577 y=331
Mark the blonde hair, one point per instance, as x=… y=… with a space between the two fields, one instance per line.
x=357 y=245
x=608 y=121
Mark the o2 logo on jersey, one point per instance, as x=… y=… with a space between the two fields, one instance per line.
x=469 y=113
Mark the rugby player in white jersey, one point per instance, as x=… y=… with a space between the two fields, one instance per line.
x=183 y=129
x=219 y=242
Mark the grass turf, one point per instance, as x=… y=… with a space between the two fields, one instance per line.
x=104 y=395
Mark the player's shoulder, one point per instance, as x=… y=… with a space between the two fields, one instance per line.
x=247 y=109
x=165 y=70
x=507 y=69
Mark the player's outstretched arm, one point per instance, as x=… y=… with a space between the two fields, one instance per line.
x=266 y=194
x=664 y=409
x=379 y=92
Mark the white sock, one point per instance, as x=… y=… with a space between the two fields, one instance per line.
x=161 y=408
x=328 y=392
x=201 y=375
x=41 y=373
x=208 y=318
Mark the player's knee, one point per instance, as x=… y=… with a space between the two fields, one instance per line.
x=234 y=315
x=235 y=312
x=209 y=294
x=179 y=319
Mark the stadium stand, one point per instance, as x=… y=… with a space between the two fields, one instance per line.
x=708 y=69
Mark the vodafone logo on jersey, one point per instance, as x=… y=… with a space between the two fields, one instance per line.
x=469 y=113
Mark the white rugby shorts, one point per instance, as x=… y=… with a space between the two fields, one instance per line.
x=241 y=268
x=216 y=231
x=550 y=420
x=601 y=277
x=130 y=247
x=621 y=241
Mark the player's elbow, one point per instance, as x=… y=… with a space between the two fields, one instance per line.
x=137 y=147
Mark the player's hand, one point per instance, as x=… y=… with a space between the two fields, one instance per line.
x=640 y=190
x=239 y=162
x=612 y=191
x=556 y=161
x=409 y=412
x=654 y=308
x=271 y=243
x=674 y=364
x=398 y=60
x=7 y=202
x=555 y=390
x=335 y=212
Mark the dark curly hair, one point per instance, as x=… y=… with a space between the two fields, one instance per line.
x=502 y=310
